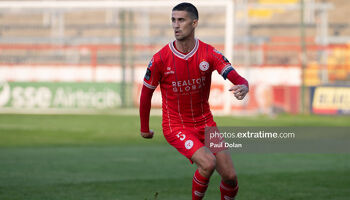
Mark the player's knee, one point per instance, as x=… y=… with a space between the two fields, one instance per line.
x=209 y=164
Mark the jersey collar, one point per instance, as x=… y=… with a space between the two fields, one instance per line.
x=181 y=55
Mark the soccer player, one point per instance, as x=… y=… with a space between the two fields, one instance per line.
x=183 y=70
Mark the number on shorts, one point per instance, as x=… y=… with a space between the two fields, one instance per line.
x=181 y=136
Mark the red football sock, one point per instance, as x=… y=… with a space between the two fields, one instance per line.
x=228 y=192
x=199 y=186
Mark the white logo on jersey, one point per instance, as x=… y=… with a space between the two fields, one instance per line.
x=188 y=85
x=189 y=144
x=204 y=66
x=169 y=71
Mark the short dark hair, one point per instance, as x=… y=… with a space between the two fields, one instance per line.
x=188 y=7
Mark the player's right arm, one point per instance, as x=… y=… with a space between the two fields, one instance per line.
x=150 y=83
x=145 y=108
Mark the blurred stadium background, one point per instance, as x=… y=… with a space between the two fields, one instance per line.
x=75 y=58
x=67 y=56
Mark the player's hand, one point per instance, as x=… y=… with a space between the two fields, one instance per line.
x=239 y=91
x=147 y=135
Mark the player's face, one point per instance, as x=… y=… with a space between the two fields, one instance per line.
x=183 y=24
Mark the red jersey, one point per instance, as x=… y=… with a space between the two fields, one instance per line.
x=185 y=83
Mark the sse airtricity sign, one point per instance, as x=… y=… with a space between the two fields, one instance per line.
x=4 y=93
x=59 y=95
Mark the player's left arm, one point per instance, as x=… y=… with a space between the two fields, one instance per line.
x=224 y=67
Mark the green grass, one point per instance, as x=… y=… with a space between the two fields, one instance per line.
x=73 y=157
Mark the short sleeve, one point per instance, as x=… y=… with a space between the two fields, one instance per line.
x=220 y=63
x=152 y=76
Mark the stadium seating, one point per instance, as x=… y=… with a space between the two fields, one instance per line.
x=103 y=27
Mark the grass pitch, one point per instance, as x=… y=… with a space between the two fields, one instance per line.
x=72 y=157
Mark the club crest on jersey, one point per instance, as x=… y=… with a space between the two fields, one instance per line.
x=189 y=144
x=204 y=66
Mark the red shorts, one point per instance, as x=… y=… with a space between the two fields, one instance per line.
x=186 y=140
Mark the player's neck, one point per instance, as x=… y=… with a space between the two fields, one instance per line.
x=185 y=46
